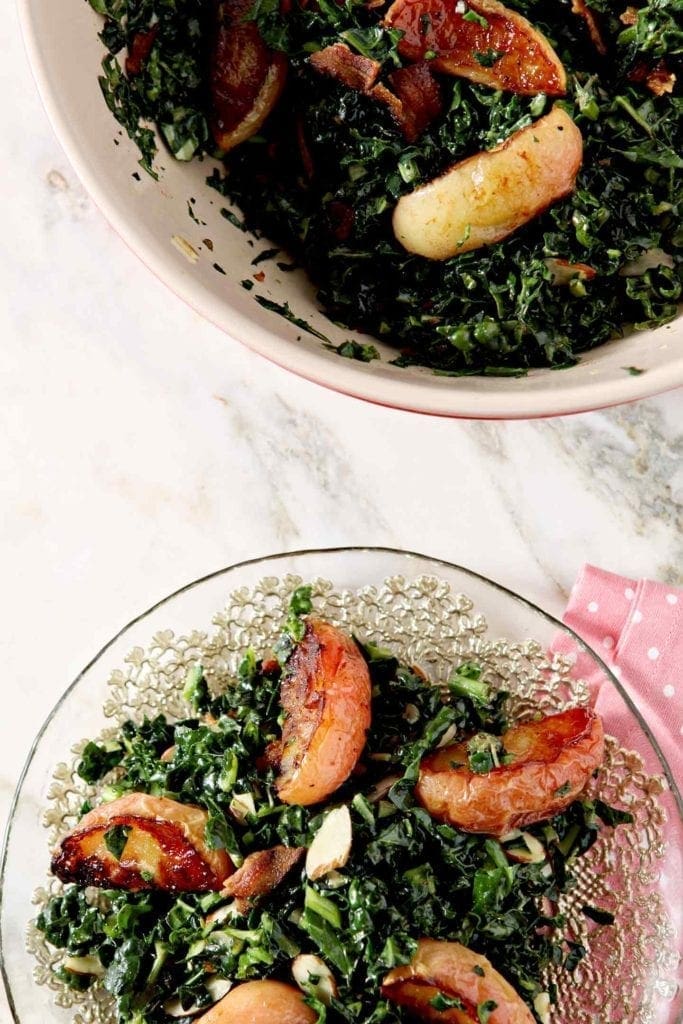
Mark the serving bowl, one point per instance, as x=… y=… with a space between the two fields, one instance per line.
x=152 y=217
x=431 y=613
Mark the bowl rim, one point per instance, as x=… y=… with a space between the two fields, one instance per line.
x=265 y=561
x=314 y=365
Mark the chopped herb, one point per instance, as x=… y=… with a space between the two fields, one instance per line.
x=284 y=311
x=218 y=267
x=634 y=371
x=115 y=839
x=98 y=760
x=267 y=254
x=489 y=57
x=246 y=283
x=484 y=1010
x=355 y=350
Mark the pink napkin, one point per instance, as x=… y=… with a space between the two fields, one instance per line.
x=636 y=627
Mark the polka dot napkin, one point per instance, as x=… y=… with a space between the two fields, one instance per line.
x=636 y=627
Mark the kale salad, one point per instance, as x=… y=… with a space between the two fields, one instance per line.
x=347 y=127
x=329 y=837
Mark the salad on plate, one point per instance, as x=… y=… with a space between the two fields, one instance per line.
x=328 y=836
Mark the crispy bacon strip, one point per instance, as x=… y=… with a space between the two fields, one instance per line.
x=351 y=69
x=262 y=872
x=580 y=8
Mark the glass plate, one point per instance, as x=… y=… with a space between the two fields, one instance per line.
x=430 y=612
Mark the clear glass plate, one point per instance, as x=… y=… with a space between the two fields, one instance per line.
x=632 y=975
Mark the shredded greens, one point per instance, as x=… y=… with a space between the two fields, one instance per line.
x=408 y=875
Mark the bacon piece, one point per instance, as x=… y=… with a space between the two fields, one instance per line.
x=139 y=50
x=245 y=77
x=415 y=101
x=351 y=69
x=629 y=16
x=657 y=78
x=420 y=97
x=481 y=40
x=262 y=871
x=581 y=8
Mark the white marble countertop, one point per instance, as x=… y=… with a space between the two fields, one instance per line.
x=140 y=448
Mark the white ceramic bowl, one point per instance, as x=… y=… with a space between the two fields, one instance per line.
x=65 y=53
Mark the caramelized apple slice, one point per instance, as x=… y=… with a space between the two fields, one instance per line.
x=326 y=699
x=246 y=78
x=261 y=1002
x=454 y=971
x=543 y=767
x=481 y=40
x=486 y=197
x=142 y=842
x=262 y=872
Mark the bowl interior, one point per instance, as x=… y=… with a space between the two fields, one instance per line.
x=152 y=217
x=79 y=714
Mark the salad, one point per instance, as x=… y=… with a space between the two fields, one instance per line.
x=485 y=187
x=330 y=838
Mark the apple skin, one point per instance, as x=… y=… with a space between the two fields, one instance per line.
x=486 y=197
x=246 y=78
x=527 y=63
x=165 y=848
x=261 y=1002
x=449 y=969
x=326 y=695
x=553 y=760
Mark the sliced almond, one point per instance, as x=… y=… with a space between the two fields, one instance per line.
x=242 y=805
x=542 y=1007
x=83 y=965
x=331 y=846
x=314 y=977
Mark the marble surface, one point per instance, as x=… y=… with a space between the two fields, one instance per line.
x=140 y=448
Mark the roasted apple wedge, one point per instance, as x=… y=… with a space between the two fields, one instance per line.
x=325 y=695
x=454 y=972
x=261 y=1002
x=142 y=842
x=493 y=784
x=245 y=78
x=481 y=40
x=262 y=872
x=486 y=197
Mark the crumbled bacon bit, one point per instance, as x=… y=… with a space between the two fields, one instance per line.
x=139 y=50
x=416 y=99
x=262 y=872
x=341 y=219
x=260 y=276
x=420 y=96
x=658 y=78
x=629 y=16
x=351 y=69
x=580 y=7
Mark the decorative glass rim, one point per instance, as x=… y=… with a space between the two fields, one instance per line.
x=269 y=560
